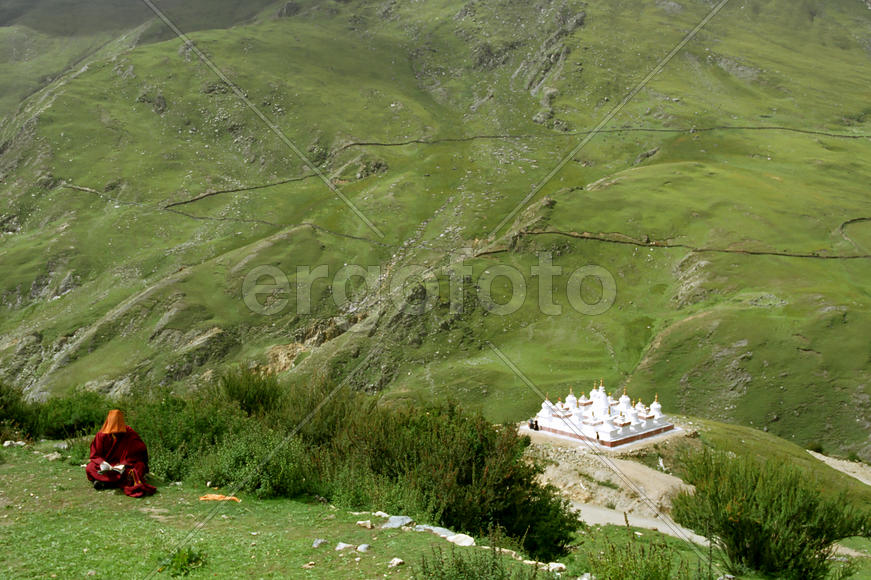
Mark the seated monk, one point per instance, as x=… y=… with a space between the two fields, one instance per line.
x=119 y=458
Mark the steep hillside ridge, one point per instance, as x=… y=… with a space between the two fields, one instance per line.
x=727 y=200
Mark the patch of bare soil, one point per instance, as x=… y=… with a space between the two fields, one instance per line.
x=854 y=469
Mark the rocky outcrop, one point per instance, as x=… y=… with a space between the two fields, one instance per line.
x=289 y=9
x=549 y=58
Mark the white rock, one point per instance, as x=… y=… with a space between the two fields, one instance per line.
x=396 y=522
x=53 y=456
x=343 y=546
x=440 y=532
x=365 y=524
x=308 y=565
x=381 y=515
x=396 y=562
x=556 y=567
x=363 y=548
x=318 y=543
x=462 y=540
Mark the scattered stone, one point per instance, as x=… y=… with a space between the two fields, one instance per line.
x=381 y=515
x=396 y=522
x=308 y=565
x=343 y=546
x=556 y=567
x=441 y=532
x=318 y=543
x=511 y=553
x=63 y=445
x=646 y=155
x=363 y=548
x=53 y=456
x=289 y=9
x=14 y=444
x=461 y=540
x=365 y=524
x=396 y=562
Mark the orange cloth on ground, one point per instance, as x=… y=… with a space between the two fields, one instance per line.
x=218 y=497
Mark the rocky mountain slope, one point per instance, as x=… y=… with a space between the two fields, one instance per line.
x=142 y=200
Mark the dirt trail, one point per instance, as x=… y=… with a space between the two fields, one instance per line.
x=854 y=469
x=618 y=238
x=598 y=515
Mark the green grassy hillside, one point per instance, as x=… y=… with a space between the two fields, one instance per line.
x=728 y=199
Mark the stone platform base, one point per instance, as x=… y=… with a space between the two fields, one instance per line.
x=614 y=442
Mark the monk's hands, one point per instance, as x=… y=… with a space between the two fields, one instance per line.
x=104 y=466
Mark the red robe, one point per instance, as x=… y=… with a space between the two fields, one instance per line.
x=127 y=449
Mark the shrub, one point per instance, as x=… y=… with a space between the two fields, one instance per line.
x=766 y=517
x=256 y=393
x=179 y=431
x=15 y=413
x=471 y=475
x=638 y=561
x=474 y=565
x=333 y=407
x=258 y=460
x=62 y=417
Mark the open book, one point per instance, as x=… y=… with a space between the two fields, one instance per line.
x=119 y=468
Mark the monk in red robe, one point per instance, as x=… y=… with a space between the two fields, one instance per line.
x=119 y=458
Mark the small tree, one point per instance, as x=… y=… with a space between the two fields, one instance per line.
x=766 y=517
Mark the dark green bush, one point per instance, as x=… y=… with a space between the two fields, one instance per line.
x=258 y=460
x=180 y=431
x=334 y=408
x=765 y=517
x=472 y=475
x=63 y=417
x=256 y=393
x=16 y=415
x=55 y=418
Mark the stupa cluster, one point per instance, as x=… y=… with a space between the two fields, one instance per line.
x=601 y=419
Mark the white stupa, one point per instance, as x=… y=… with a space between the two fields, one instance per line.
x=601 y=419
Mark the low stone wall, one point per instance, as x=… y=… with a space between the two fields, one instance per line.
x=614 y=443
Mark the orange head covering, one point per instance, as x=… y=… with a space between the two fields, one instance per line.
x=114 y=423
